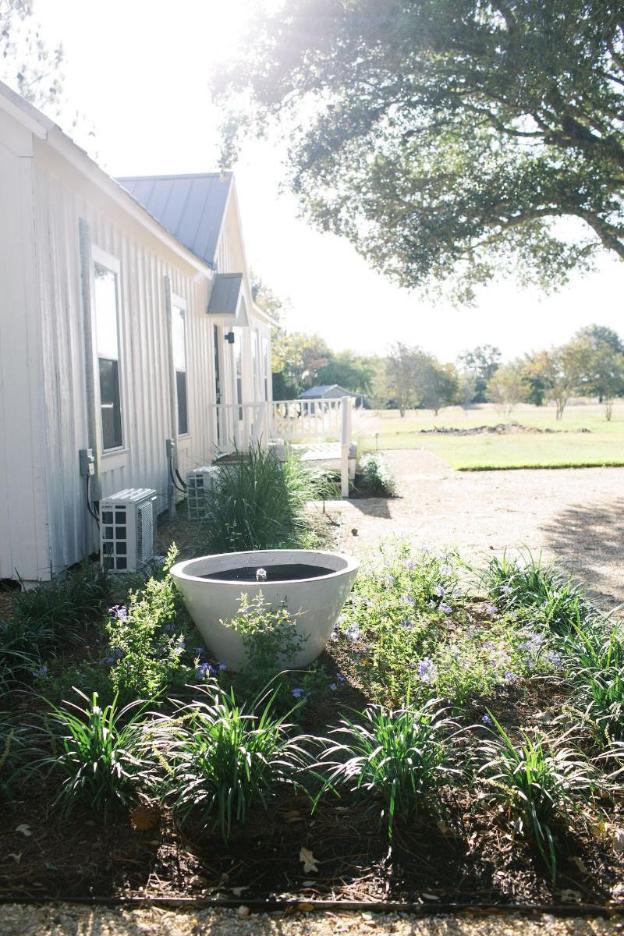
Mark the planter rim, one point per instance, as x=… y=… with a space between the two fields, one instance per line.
x=351 y=564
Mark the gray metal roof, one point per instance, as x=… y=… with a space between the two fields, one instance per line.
x=225 y=294
x=323 y=390
x=191 y=207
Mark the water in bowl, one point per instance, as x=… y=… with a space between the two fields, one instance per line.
x=286 y=572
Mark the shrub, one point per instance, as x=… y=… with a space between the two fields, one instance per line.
x=216 y=761
x=148 y=639
x=258 y=503
x=95 y=752
x=536 y=780
x=527 y=585
x=374 y=477
x=396 y=758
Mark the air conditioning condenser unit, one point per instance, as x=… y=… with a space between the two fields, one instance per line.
x=127 y=524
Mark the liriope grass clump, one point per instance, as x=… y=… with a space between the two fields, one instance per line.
x=216 y=761
x=393 y=760
x=526 y=585
x=539 y=781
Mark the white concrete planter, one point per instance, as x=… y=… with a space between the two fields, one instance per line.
x=212 y=602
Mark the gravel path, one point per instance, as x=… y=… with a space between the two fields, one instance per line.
x=74 y=921
x=575 y=516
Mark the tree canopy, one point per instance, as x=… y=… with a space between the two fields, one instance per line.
x=27 y=63
x=449 y=138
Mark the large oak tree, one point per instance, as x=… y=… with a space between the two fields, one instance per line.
x=450 y=138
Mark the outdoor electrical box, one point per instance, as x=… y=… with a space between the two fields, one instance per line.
x=86 y=462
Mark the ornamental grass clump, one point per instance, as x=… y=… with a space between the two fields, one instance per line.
x=95 y=753
x=396 y=760
x=258 y=502
x=215 y=761
x=539 y=782
x=596 y=665
x=528 y=586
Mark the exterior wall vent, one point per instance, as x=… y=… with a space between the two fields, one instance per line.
x=199 y=483
x=127 y=524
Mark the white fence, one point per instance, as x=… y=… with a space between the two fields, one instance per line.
x=237 y=426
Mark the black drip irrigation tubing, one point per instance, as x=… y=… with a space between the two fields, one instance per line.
x=349 y=906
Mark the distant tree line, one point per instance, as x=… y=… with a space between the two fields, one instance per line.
x=591 y=364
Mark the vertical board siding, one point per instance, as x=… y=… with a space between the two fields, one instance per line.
x=23 y=456
x=44 y=420
x=61 y=200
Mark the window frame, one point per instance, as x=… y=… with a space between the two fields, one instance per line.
x=179 y=303
x=111 y=263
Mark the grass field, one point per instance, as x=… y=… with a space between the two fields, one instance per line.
x=583 y=438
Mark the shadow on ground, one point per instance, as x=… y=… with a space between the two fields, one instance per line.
x=372 y=506
x=588 y=540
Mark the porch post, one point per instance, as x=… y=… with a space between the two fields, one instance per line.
x=345 y=445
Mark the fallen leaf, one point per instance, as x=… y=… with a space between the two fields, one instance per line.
x=305 y=907
x=144 y=817
x=243 y=911
x=618 y=840
x=431 y=896
x=308 y=860
x=24 y=829
x=237 y=891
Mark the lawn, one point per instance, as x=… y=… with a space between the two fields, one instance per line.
x=582 y=438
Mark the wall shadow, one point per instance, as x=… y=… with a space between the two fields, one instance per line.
x=372 y=506
x=588 y=540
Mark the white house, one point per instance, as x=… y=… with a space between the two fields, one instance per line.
x=126 y=319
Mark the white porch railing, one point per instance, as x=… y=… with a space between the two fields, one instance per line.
x=241 y=425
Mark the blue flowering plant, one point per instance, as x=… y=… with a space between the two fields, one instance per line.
x=151 y=639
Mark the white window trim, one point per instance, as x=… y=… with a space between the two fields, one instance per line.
x=112 y=263
x=179 y=302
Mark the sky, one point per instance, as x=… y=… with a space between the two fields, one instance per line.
x=138 y=70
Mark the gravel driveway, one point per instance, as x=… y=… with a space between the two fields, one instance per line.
x=74 y=921
x=575 y=516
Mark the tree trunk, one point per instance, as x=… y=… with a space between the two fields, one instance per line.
x=608 y=409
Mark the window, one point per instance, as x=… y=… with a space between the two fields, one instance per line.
x=238 y=364
x=178 y=338
x=107 y=348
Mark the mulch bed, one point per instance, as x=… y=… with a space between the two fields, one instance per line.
x=465 y=855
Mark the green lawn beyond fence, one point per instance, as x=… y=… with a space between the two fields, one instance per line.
x=583 y=438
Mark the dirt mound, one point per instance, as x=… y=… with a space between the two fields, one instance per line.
x=499 y=428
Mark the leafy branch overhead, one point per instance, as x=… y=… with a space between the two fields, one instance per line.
x=449 y=138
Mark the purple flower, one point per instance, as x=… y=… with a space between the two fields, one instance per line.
x=491 y=609
x=408 y=600
x=555 y=659
x=446 y=569
x=439 y=591
x=352 y=632
x=427 y=670
x=534 y=643
x=406 y=624
x=204 y=671
x=298 y=693
x=41 y=672
x=333 y=686
x=487 y=721
x=119 y=611
x=445 y=609
x=506 y=589
x=509 y=678
x=340 y=678
x=115 y=655
x=199 y=651
x=221 y=667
